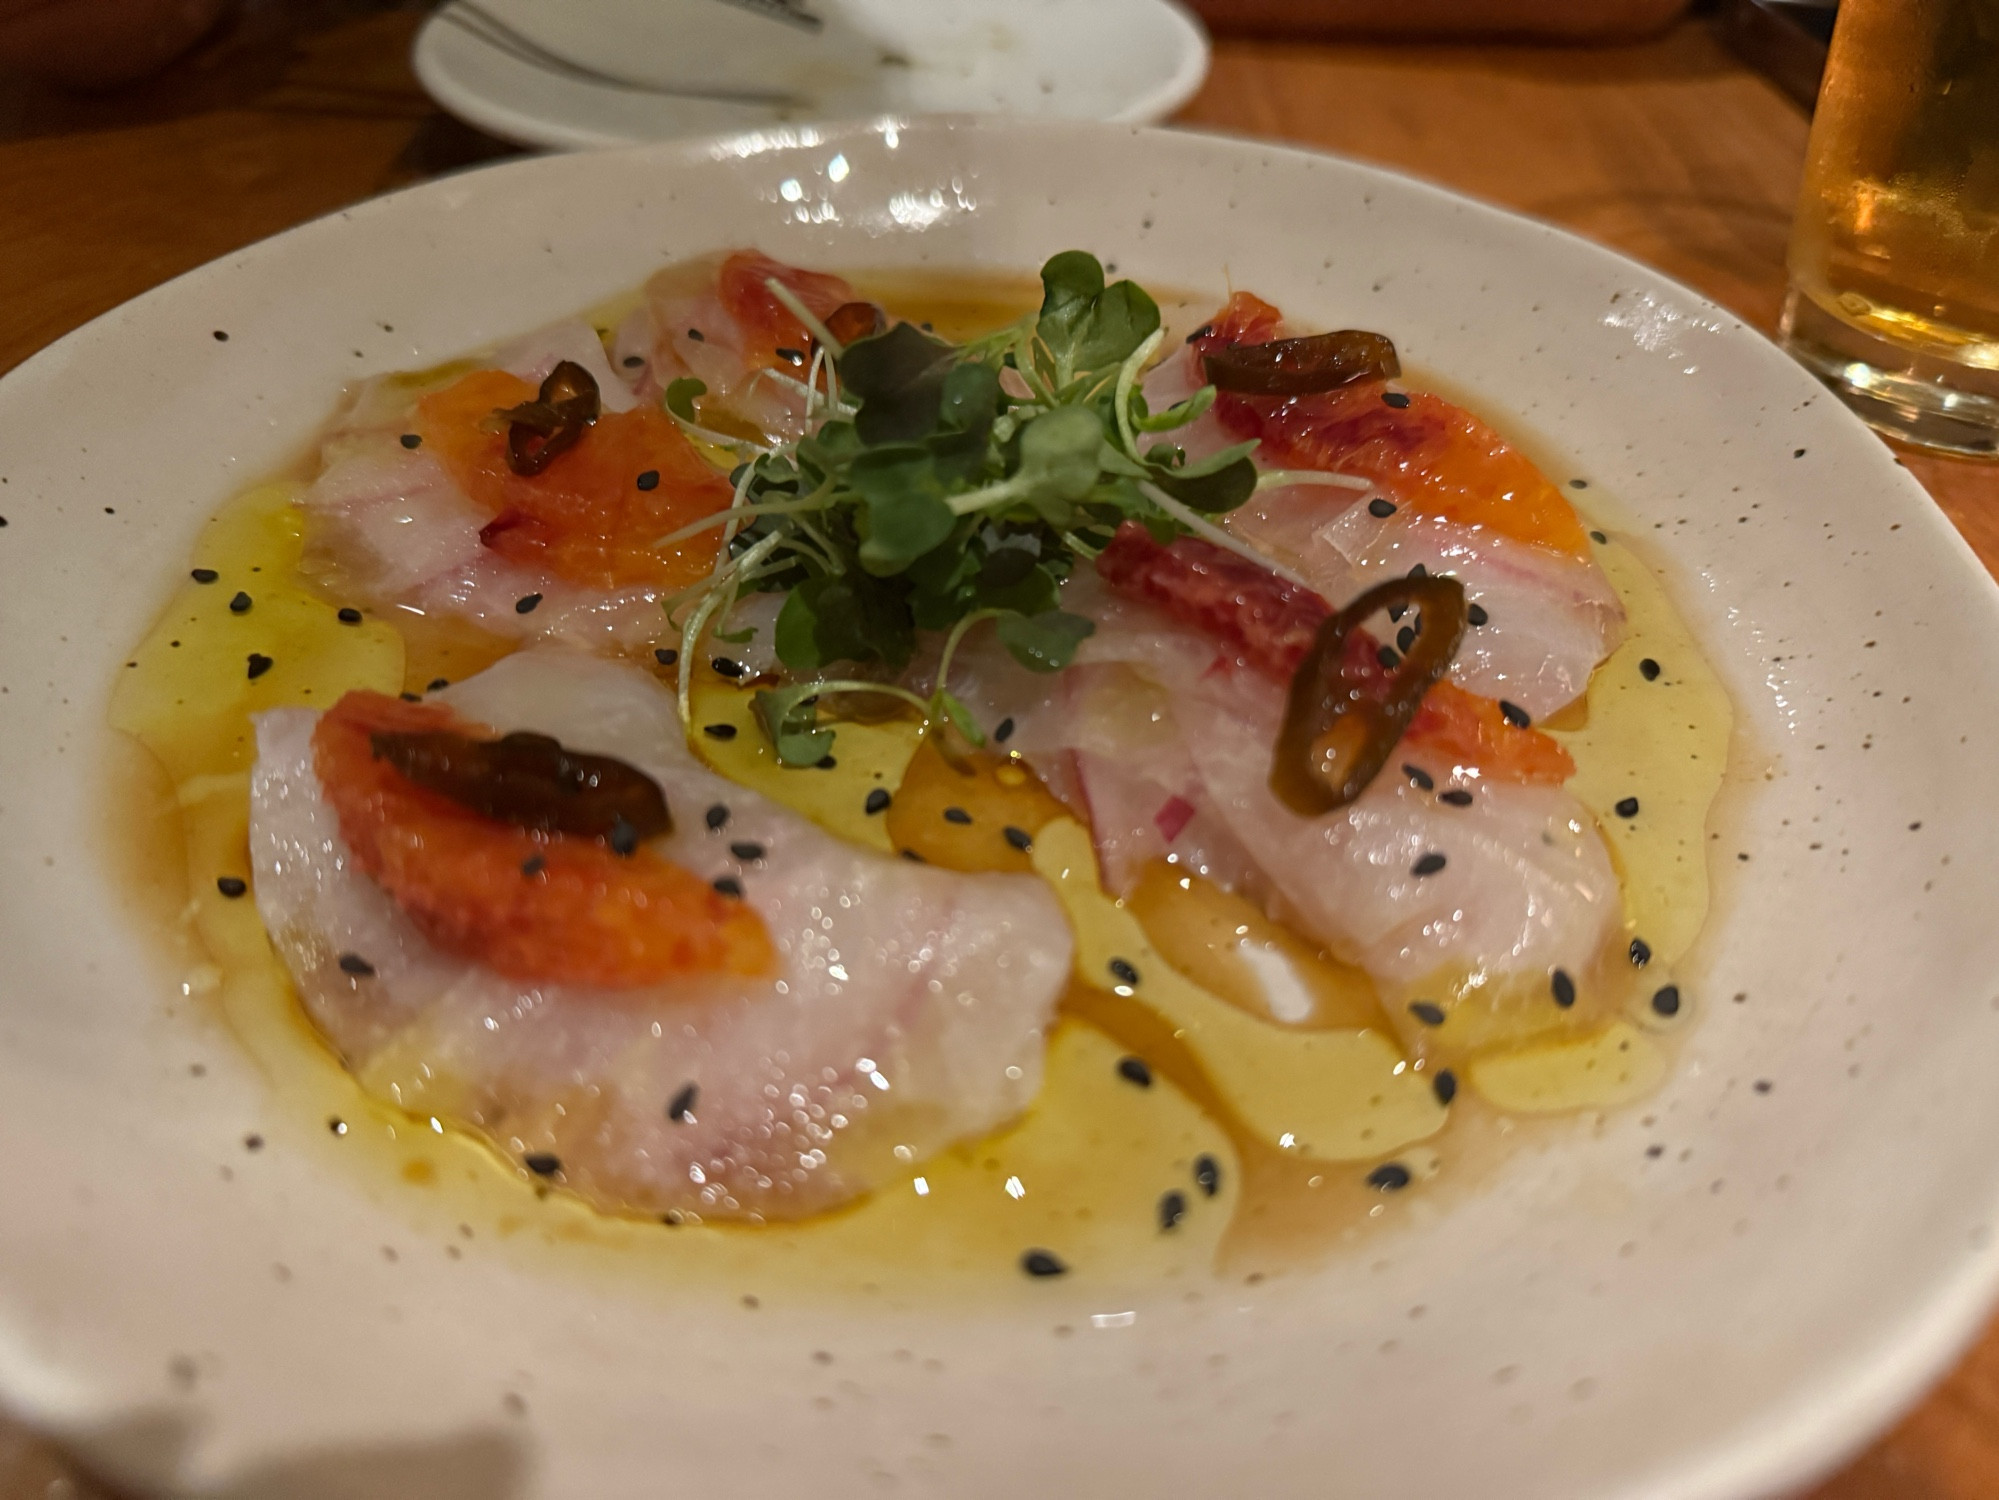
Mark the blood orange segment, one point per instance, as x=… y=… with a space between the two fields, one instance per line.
x=542 y=908
x=771 y=332
x=1432 y=456
x=593 y=517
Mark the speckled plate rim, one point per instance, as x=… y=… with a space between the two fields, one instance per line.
x=1789 y=1433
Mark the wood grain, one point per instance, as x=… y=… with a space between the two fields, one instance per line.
x=1668 y=150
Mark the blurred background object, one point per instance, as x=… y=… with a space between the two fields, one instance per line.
x=1570 y=20
x=1783 y=39
x=100 y=43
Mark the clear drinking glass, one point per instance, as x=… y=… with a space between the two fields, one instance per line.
x=1894 y=290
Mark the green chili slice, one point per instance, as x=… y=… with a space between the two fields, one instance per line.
x=1340 y=727
x=531 y=781
x=554 y=421
x=1303 y=367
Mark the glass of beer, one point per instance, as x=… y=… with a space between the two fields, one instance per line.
x=1894 y=291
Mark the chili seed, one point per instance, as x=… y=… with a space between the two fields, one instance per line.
x=1172 y=1209
x=1389 y=1177
x=1020 y=838
x=1396 y=399
x=666 y=656
x=1514 y=714
x=349 y=616
x=649 y=480
x=525 y=605
x=1122 y=971
x=878 y=801
x=1666 y=1001
x=1420 y=777
x=1476 y=614
x=259 y=664
x=1427 y=1011
x=542 y=1163
x=240 y=605
x=747 y=850
x=719 y=731
x=1208 y=1174
x=412 y=440
x=355 y=964
x=204 y=575
x=956 y=815
x=1562 y=988
x=1649 y=670
x=681 y=1105
x=1456 y=797
x=1042 y=1263
x=533 y=865
x=726 y=667
x=1381 y=508
x=728 y=885
x=1444 y=1085
x=1134 y=1070
x=1627 y=807
x=1429 y=864
x=716 y=817
x=624 y=839
x=1641 y=953
x=231 y=886
x=1005 y=731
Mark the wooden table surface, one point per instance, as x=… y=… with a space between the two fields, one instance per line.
x=1668 y=150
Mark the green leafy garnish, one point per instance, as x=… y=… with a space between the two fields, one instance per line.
x=949 y=485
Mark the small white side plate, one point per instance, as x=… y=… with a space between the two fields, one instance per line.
x=576 y=74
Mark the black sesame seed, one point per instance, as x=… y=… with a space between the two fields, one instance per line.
x=1122 y=971
x=1387 y=657
x=1042 y=1263
x=1405 y=638
x=542 y=1163
x=1397 y=399
x=697 y=335
x=1649 y=670
x=1797 y=453
x=1429 y=864
x=1134 y=1070
x=1641 y=953
x=438 y=684
x=728 y=885
x=1381 y=508
x=1627 y=807
x=649 y=480
x=633 y=361
x=956 y=815
x=746 y=850
x=240 y=605
x=259 y=664
x=681 y=1105
x=1666 y=1001
x=1397 y=611
x=1020 y=838
x=825 y=763
x=231 y=886
x=355 y=964
x=411 y=697
x=795 y=356
x=1005 y=731
x=1763 y=1085
x=1457 y=796
x=533 y=865
x=727 y=667
x=221 y=337
x=1562 y=988
x=1390 y=1177
x=412 y=440
x=1427 y=1011
x=1419 y=776
x=878 y=801
x=1419 y=571
x=1208 y=1175
x=1200 y=333
x=719 y=731
x=914 y=858
x=253 y=1143
x=1172 y=1209
x=337 y=1125
x=666 y=656
x=1444 y=1085
x=525 y=605
x=624 y=838
x=350 y=616
x=1599 y=538
x=204 y=575
x=1514 y=714
x=1578 y=484
x=717 y=817
x=1476 y=614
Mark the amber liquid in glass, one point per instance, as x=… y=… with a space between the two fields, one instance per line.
x=1894 y=261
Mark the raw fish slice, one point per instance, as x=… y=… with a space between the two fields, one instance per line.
x=908 y=1011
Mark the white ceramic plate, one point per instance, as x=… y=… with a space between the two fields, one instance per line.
x=584 y=73
x=1718 y=1320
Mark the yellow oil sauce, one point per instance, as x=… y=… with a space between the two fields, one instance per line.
x=1276 y=1079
